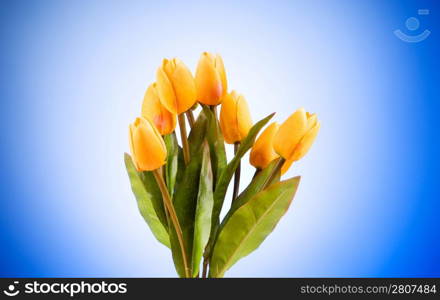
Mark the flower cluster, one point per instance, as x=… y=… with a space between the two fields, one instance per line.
x=192 y=179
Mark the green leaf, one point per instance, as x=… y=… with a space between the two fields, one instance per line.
x=145 y=198
x=151 y=186
x=258 y=183
x=250 y=224
x=216 y=142
x=207 y=126
x=185 y=202
x=205 y=200
x=180 y=169
x=197 y=134
x=226 y=176
x=172 y=164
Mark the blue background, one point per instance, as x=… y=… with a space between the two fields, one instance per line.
x=72 y=77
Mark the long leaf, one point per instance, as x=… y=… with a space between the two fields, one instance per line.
x=185 y=202
x=205 y=200
x=197 y=134
x=226 y=176
x=258 y=183
x=249 y=226
x=151 y=186
x=145 y=198
x=216 y=142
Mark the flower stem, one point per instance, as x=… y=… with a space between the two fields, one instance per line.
x=184 y=138
x=275 y=171
x=173 y=216
x=190 y=117
x=161 y=172
x=237 y=174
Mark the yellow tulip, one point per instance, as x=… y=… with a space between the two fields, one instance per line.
x=235 y=119
x=146 y=145
x=211 y=80
x=262 y=153
x=175 y=85
x=152 y=109
x=295 y=136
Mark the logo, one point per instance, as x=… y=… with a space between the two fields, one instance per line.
x=412 y=24
x=11 y=291
x=67 y=288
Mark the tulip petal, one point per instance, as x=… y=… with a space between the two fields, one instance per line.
x=235 y=119
x=220 y=67
x=166 y=91
x=184 y=87
x=169 y=66
x=243 y=117
x=228 y=119
x=262 y=153
x=130 y=141
x=152 y=109
x=290 y=133
x=306 y=142
x=208 y=81
x=311 y=121
x=148 y=145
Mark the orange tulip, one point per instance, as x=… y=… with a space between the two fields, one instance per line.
x=211 y=80
x=146 y=145
x=262 y=153
x=175 y=85
x=235 y=119
x=152 y=109
x=296 y=136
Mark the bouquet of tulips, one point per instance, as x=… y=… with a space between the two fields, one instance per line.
x=180 y=189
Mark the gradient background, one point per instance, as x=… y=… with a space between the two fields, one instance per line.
x=73 y=74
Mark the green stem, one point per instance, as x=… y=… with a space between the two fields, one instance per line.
x=169 y=205
x=161 y=172
x=237 y=174
x=274 y=173
x=184 y=138
x=190 y=117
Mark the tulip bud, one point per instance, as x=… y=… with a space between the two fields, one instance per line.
x=262 y=153
x=235 y=119
x=146 y=145
x=295 y=136
x=152 y=109
x=175 y=85
x=211 y=79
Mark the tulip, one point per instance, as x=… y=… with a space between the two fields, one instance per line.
x=211 y=80
x=235 y=123
x=177 y=92
x=235 y=119
x=175 y=85
x=262 y=153
x=152 y=109
x=146 y=145
x=149 y=154
x=295 y=137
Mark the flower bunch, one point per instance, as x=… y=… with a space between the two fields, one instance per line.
x=180 y=189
